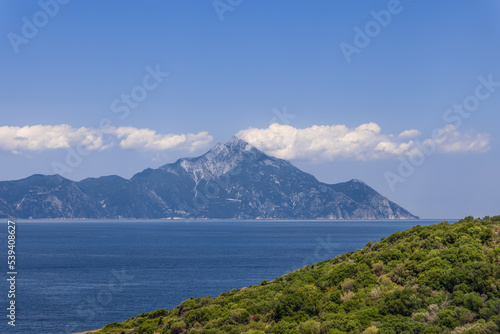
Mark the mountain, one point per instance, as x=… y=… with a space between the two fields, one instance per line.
x=232 y=180
x=442 y=278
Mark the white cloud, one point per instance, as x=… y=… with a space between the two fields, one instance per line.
x=469 y=141
x=316 y=143
x=365 y=142
x=46 y=137
x=409 y=134
x=49 y=137
x=149 y=140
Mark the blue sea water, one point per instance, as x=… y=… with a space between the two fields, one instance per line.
x=80 y=275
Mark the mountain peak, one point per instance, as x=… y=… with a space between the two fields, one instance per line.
x=232 y=180
x=357 y=181
x=235 y=141
x=219 y=160
x=234 y=144
x=234 y=149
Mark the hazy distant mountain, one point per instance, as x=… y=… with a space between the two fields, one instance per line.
x=232 y=180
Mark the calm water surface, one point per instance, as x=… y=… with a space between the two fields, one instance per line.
x=75 y=276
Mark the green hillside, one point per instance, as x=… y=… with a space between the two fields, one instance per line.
x=443 y=278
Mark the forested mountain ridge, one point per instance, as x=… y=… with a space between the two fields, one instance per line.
x=443 y=278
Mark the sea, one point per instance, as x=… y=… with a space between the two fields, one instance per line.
x=78 y=275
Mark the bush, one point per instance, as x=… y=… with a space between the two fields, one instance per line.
x=347 y=284
x=491 y=308
x=283 y=327
x=178 y=327
x=241 y=316
x=309 y=327
x=371 y=330
x=473 y=301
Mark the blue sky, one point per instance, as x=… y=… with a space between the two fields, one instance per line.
x=236 y=67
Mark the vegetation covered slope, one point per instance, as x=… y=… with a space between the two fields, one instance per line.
x=443 y=278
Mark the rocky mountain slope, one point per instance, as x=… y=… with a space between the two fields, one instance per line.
x=232 y=180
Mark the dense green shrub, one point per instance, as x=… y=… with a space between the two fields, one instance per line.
x=437 y=279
